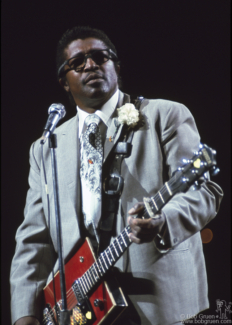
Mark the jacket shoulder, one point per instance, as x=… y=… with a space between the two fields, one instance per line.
x=166 y=110
x=35 y=150
x=164 y=105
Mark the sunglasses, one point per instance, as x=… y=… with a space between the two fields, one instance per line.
x=78 y=62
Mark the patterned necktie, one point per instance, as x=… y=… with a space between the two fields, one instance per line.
x=91 y=173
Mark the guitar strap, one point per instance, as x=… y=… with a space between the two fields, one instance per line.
x=113 y=184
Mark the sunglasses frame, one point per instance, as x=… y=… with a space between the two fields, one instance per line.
x=61 y=73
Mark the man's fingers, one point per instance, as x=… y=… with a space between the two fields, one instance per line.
x=136 y=209
x=145 y=223
x=144 y=230
x=134 y=239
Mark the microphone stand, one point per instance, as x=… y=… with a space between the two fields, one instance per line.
x=64 y=313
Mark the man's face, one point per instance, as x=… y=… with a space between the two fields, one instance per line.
x=95 y=84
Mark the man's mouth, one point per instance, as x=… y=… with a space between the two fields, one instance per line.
x=92 y=78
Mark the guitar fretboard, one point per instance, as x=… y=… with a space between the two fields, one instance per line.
x=105 y=261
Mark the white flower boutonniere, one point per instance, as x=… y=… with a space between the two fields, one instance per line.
x=128 y=114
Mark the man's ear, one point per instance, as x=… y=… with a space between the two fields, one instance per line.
x=117 y=69
x=64 y=84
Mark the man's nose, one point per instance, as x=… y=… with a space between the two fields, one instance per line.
x=90 y=64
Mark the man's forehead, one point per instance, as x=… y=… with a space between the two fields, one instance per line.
x=83 y=46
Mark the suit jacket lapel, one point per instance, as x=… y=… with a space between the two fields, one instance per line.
x=70 y=160
x=109 y=144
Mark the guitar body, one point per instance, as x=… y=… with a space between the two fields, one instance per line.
x=107 y=301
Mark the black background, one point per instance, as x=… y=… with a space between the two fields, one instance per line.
x=177 y=50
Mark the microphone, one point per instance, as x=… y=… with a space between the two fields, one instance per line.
x=56 y=112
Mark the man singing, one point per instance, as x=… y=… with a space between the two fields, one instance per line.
x=110 y=157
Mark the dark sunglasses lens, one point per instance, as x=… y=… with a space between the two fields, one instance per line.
x=99 y=57
x=77 y=63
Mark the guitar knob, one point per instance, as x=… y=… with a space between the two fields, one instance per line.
x=98 y=303
x=196 y=186
x=214 y=171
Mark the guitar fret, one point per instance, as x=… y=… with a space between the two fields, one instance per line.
x=108 y=257
x=126 y=237
x=119 y=245
x=101 y=265
x=154 y=203
x=86 y=281
x=84 y=289
x=92 y=271
x=126 y=230
x=102 y=255
x=99 y=268
x=115 y=249
x=169 y=190
x=161 y=197
x=95 y=270
x=111 y=254
x=124 y=241
x=90 y=277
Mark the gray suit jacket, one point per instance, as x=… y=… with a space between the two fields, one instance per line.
x=161 y=285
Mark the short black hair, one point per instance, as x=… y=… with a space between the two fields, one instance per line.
x=80 y=32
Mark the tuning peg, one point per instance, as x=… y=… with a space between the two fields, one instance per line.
x=196 y=186
x=206 y=176
x=187 y=161
x=214 y=171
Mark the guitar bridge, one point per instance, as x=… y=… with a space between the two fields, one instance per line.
x=48 y=316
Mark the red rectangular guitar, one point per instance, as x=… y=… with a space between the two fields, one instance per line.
x=90 y=299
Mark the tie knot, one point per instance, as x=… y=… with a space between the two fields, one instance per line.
x=92 y=118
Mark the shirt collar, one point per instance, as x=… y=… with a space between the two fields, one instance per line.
x=104 y=113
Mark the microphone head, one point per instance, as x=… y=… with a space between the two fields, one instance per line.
x=59 y=108
x=55 y=112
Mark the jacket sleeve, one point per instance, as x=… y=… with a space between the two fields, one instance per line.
x=186 y=213
x=32 y=260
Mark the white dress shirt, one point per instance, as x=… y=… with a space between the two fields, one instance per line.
x=91 y=205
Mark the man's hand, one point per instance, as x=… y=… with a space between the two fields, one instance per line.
x=28 y=320
x=143 y=230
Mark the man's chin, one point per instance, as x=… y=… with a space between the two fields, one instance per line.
x=97 y=90
x=95 y=82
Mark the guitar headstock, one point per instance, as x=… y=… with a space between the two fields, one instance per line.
x=203 y=161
